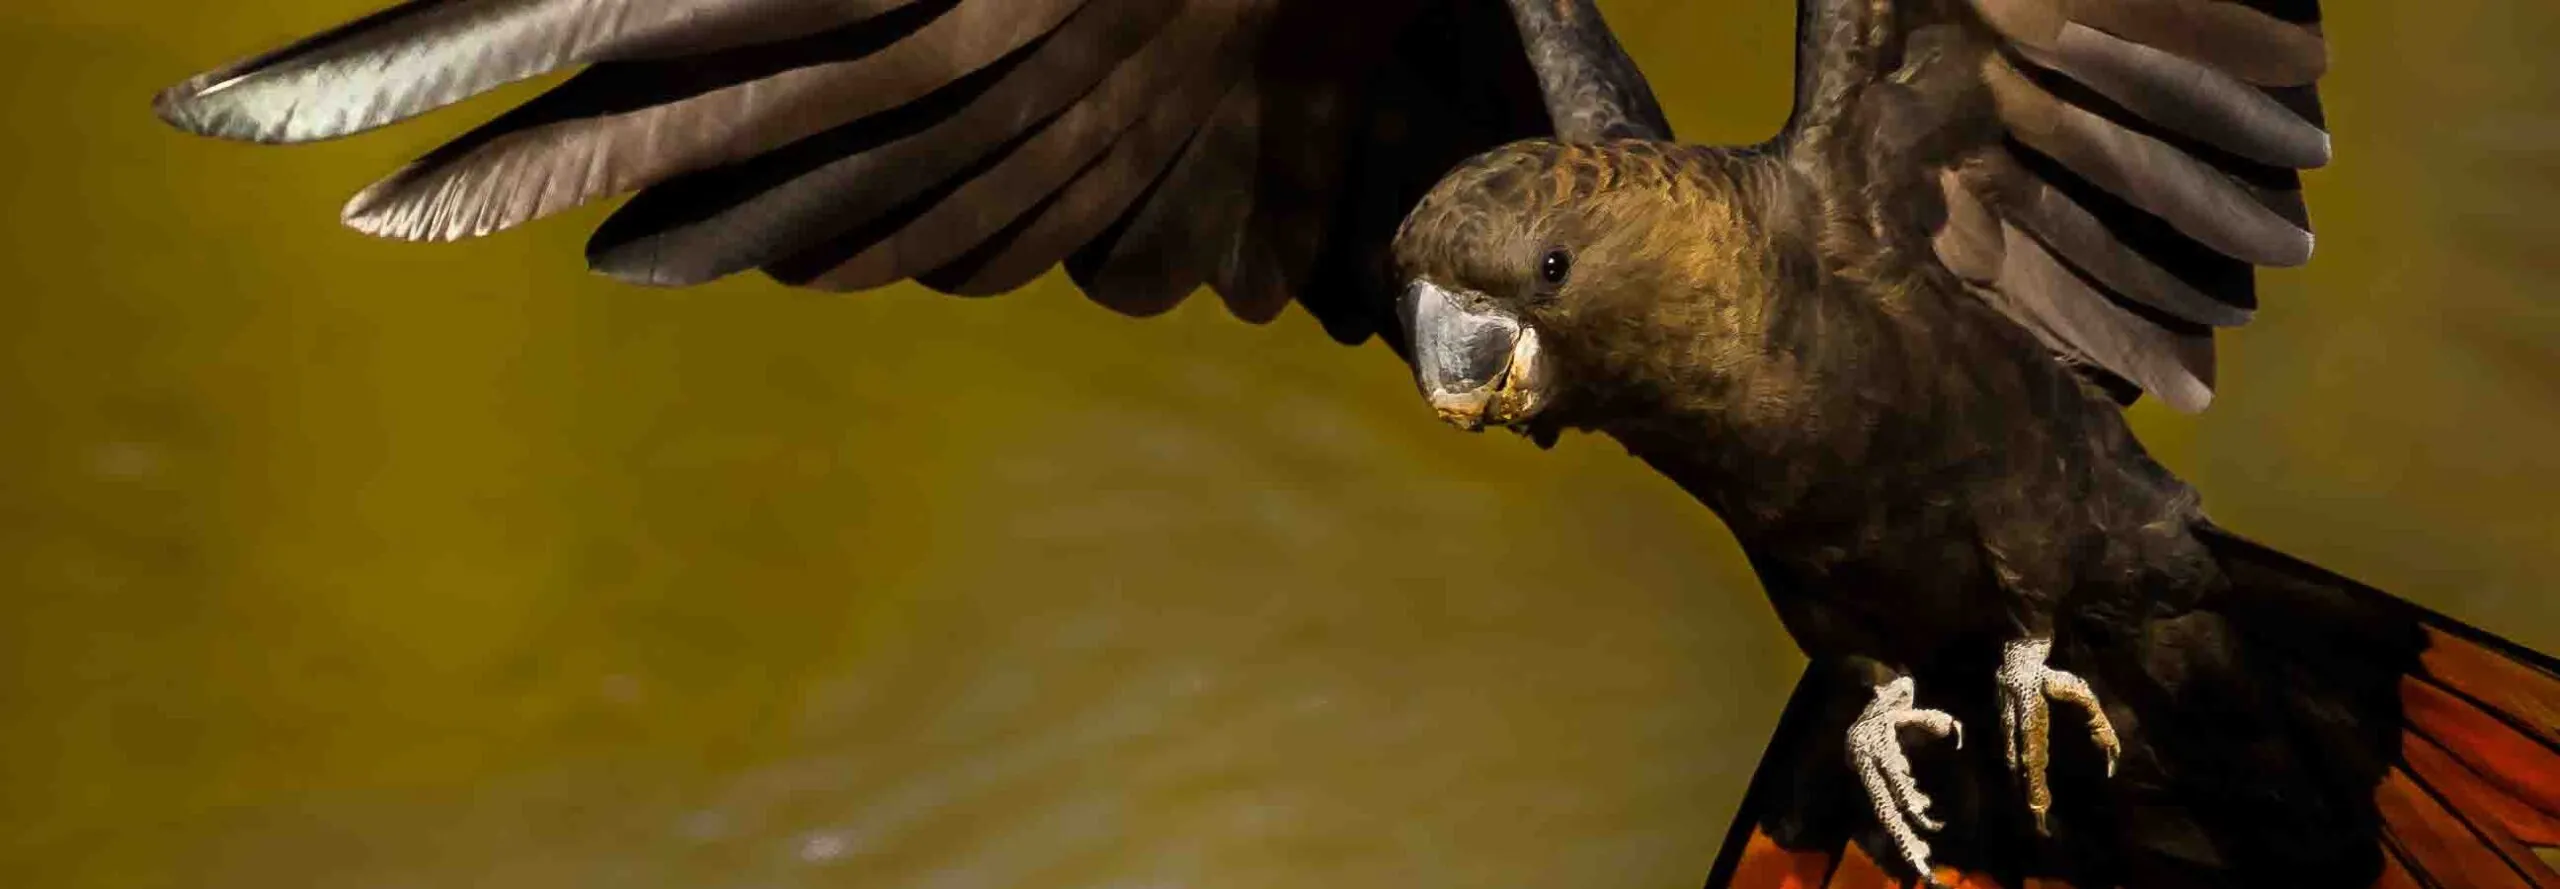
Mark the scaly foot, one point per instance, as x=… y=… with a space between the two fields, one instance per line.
x=1875 y=753
x=2025 y=684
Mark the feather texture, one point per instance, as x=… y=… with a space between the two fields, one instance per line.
x=619 y=128
x=1098 y=195
x=2187 y=97
x=1165 y=247
x=776 y=205
x=2233 y=37
x=2155 y=176
x=2147 y=150
x=425 y=54
x=1150 y=146
x=1187 y=66
x=2074 y=318
x=2086 y=243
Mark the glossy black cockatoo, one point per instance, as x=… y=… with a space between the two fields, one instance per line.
x=1889 y=347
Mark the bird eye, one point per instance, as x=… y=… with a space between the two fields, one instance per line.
x=1554 y=267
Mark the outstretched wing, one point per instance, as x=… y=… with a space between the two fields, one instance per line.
x=1266 y=148
x=2108 y=173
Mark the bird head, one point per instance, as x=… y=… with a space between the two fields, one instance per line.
x=1533 y=274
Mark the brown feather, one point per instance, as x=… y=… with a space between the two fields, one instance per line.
x=1969 y=243
x=426 y=54
x=2249 y=44
x=2246 y=42
x=2186 y=97
x=860 y=141
x=780 y=204
x=1089 y=204
x=2079 y=238
x=1296 y=185
x=1172 y=242
x=1189 y=63
x=589 y=142
x=2160 y=141
x=2189 y=194
x=2076 y=319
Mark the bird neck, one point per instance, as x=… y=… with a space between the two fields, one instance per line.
x=1762 y=365
x=1729 y=324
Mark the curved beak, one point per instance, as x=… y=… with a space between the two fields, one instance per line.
x=1479 y=365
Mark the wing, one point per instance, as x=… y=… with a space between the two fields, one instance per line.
x=1266 y=148
x=2108 y=173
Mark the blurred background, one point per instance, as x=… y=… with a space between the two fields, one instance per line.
x=336 y=562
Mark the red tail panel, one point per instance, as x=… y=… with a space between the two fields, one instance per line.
x=2480 y=780
x=1767 y=865
x=2509 y=684
x=1857 y=871
x=2395 y=875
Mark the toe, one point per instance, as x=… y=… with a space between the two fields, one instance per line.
x=2009 y=724
x=2073 y=690
x=1907 y=795
x=1937 y=723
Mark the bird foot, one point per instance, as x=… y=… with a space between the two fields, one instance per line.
x=2026 y=719
x=1875 y=753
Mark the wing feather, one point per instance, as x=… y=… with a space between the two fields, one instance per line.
x=1149 y=147
x=2076 y=320
x=2107 y=173
x=425 y=54
x=2080 y=238
x=2155 y=176
x=774 y=206
x=618 y=128
x=1168 y=246
x=1086 y=206
x=2188 y=97
x=1187 y=66
x=2236 y=38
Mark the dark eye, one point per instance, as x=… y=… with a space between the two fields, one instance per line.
x=1554 y=267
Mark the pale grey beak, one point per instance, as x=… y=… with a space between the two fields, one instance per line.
x=1476 y=363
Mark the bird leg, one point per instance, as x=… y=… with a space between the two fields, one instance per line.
x=2025 y=685
x=1875 y=753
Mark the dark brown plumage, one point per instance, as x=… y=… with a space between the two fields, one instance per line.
x=1888 y=347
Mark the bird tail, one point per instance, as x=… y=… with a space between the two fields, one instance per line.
x=2474 y=787
x=2367 y=741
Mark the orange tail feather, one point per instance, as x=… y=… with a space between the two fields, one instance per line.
x=2479 y=784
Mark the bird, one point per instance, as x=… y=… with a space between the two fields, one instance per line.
x=1890 y=347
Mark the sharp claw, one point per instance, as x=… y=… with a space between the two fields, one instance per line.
x=2026 y=684
x=1875 y=753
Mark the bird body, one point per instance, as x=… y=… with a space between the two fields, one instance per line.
x=1888 y=450
x=1889 y=347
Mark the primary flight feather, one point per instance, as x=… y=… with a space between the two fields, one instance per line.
x=1888 y=347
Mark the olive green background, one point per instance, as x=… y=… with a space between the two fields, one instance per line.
x=337 y=562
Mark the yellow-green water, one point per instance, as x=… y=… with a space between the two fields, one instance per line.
x=334 y=562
